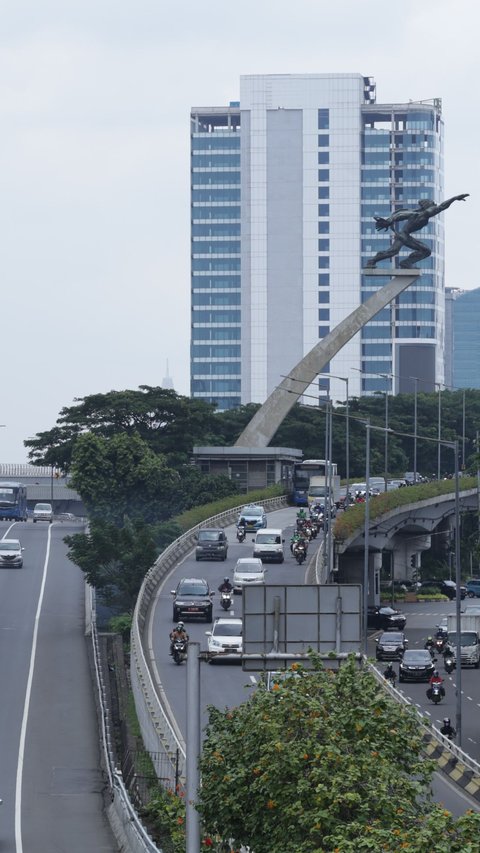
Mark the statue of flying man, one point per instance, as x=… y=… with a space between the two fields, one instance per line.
x=414 y=219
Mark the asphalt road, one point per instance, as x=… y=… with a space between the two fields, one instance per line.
x=50 y=778
x=225 y=684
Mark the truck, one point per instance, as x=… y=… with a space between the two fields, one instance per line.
x=469 y=638
x=318 y=490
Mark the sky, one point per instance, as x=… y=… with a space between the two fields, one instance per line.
x=95 y=99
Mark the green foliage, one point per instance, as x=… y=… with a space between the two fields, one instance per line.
x=114 y=560
x=347 y=523
x=121 y=624
x=325 y=762
x=120 y=476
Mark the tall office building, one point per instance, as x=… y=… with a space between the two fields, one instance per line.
x=466 y=339
x=285 y=185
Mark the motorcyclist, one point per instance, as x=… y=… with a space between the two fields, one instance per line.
x=178 y=633
x=429 y=644
x=297 y=536
x=390 y=674
x=436 y=679
x=447 y=729
x=225 y=586
x=301 y=514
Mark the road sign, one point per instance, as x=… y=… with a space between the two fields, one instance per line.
x=291 y=619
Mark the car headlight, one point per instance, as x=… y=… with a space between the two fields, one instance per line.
x=215 y=644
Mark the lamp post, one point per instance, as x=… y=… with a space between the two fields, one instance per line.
x=415 y=379
x=366 y=554
x=347 y=431
x=387 y=377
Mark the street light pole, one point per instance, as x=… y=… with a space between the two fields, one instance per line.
x=439 y=446
x=366 y=555
x=347 y=430
x=463 y=430
x=458 y=581
x=415 y=379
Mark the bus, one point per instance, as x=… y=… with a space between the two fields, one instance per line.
x=302 y=472
x=13 y=502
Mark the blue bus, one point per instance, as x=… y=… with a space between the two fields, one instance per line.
x=302 y=471
x=13 y=502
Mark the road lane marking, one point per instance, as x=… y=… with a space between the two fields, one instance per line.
x=26 y=707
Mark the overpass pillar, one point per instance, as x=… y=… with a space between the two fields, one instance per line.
x=407 y=554
x=351 y=569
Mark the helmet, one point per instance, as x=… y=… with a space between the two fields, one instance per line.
x=429 y=639
x=226 y=580
x=180 y=626
x=446 y=720
x=435 y=674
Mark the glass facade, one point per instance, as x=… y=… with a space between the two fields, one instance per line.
x=402 y=162
x=215 y=350
x=243 y=179
x=466 y=339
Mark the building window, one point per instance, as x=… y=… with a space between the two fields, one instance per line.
x=323 y=227
x=323 y=175
x=323 y=120
x=323 y=262
x=324 y=298
x=323 y=331
x=323 y=140
x=323 y=245
x=323 y=192
x=324 y=210
x=324 y=314
x=323 y=158
x=324 y=279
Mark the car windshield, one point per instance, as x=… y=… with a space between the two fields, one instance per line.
x=6 y=496
x=208 y=536
x=44 y=507
x=253 y=511
x=249 y=568
x=417 y=656
x=391 y=637
x=387 y=611
x=227 y=629
x=269 y=539
x=9 y=546
x=467 y=638
x=192 y=589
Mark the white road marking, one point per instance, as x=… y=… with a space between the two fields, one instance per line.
x=253 y=679
x=28 y=693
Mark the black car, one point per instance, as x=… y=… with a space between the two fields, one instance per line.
x=192 y=598
x=212 y=544
x=448 y=588
x=386 y=618
x=391 y=645
x=416 y=665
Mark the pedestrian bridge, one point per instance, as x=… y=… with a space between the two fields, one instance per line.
x=44 y=483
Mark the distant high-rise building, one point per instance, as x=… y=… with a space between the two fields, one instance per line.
x=466 y=339
x=285 y=185
x=451 y=294
x=167 y=381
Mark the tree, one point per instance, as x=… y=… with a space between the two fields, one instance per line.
x=166 y=421
x=324 y=762
x=120 y=476
x=114 y=560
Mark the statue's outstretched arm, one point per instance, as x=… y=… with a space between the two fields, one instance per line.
x=444 y=204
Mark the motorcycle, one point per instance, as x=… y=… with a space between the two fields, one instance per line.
x=226 y=599
x=449 y=662
x=299 y=551
x=440 y=644
x=390 y=677
x=241 y=533
x=435 y=693
x=180 y=651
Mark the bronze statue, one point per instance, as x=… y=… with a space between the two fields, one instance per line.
x=414 y=220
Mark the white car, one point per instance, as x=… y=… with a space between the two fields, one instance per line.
x=42 y=512
x=225 y=639
x=11 y=554
x=248 y=570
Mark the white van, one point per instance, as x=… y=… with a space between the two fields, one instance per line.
x=42 y=512
x=268 y=545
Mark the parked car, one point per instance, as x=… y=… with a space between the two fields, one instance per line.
x=212 y=544
x=248 y=570
x=444 y=587
x=391 y=645
x=473 y=588
x=192 y=597
x=416 y=665
x=225 y=639
x=11 y=554
x=254 y=517
x=42 y=512
x=386 y=618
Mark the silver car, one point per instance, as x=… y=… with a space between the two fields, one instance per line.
x=42 y=512
x=11 y=554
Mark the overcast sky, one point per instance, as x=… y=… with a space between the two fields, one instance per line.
x=95 y=97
